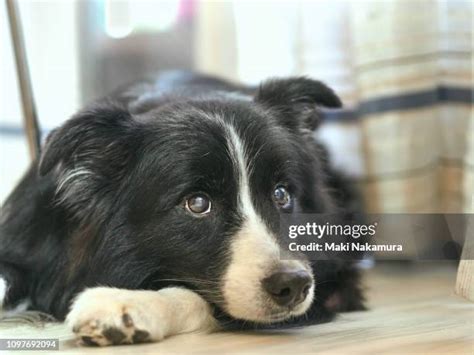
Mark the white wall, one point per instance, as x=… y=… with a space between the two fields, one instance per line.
x=49 y=28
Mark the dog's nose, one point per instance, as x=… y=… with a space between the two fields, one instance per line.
x=288 y=288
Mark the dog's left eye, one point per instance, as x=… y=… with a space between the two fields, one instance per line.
x=282 y=197
x=198 y=204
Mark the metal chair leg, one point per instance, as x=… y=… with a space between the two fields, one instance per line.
x=30 y=118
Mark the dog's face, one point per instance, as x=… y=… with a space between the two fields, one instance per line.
x=193 y=191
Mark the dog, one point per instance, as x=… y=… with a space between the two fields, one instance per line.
x=155 y=211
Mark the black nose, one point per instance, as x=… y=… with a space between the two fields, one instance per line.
x=288 y=288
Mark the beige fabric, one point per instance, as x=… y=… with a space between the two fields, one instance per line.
x=417 y=160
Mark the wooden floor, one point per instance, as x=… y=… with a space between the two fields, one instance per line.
x=413 y=310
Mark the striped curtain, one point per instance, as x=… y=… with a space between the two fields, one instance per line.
x=412 y=105
x=404 y=70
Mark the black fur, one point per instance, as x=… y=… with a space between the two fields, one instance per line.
x=137 y=154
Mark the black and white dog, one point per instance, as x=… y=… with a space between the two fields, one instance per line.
x=155 y=211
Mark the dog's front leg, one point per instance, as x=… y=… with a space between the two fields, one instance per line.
x=109 y=316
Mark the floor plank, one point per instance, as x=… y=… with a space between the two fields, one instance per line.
x=413 y=310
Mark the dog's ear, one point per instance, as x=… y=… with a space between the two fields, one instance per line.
x=89 y=156
x=297 y=101
x=91 y=135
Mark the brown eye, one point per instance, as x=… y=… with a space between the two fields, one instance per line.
x=282 y=197
x=198 y=204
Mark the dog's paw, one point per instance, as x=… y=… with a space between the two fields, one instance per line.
x=107 y=316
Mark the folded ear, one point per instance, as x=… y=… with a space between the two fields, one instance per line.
x=89 y=153
x=297 y=100
x=89 y=135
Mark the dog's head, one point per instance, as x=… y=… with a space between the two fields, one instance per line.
x=191 y=192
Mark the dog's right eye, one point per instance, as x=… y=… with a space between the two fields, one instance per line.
x=198 y=204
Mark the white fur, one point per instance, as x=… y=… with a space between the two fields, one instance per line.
x=239 y=156
x=3 y=291
x=71 y=176
x=162 y=313
x=255 y=253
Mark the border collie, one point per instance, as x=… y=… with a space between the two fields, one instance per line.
x=155 y=211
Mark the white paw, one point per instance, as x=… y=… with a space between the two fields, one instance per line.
x=108 y=316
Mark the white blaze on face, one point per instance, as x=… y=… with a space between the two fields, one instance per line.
x=255 y=253
x=3 y=291
x=237 y=151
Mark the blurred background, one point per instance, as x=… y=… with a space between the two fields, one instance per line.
x=404 y=69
